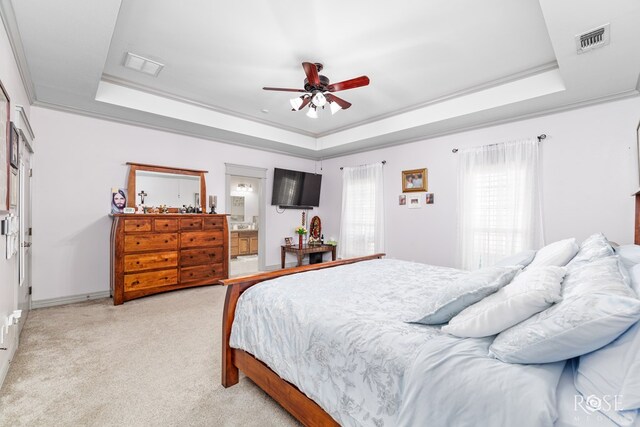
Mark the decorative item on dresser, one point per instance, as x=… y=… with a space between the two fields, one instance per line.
x=158 y=253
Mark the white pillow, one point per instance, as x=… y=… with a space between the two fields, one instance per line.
x=529 y=293
x=595 y=310
x=558 y=253
x=629 y=255
x=594 y=247
x=523 y=258
x=464 y=292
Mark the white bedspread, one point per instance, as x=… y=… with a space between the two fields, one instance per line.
x=340 y=336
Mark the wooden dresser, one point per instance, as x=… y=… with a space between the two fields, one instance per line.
x=154 y=253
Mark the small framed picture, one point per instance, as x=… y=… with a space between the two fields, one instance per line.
x=414 y=180
x=414 y=202
x=402 y=200
x=288 y=241
x=118 y=200
x=429 y=199
x=13 y=148
x=13 y=189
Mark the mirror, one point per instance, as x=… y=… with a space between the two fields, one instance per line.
x=237 y=209
x=161 y=185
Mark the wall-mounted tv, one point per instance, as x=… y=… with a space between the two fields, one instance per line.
x=295 y=190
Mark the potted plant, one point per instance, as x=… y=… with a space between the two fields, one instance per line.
x=301 y=232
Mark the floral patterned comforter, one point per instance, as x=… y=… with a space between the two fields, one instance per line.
x=340 y=335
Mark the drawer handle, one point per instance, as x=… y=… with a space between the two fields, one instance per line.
x=137 y=243
x=137 y=262
x=166 y=278
x=135 y=283
x=166 y=241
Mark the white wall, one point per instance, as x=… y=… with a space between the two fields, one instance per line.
x=81 y=158
x=589 y=173
x=10 y=78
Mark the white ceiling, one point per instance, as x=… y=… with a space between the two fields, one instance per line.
x=435 y=67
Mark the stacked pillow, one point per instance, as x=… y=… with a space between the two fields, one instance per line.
x=529 y=293
x=550 y=313
x=597 y=307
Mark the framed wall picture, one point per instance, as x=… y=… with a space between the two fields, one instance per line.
x=429 y=199
x=4 y=148
x=414 y=202
x=13 y=189
x=414 y=180
x=14 y=146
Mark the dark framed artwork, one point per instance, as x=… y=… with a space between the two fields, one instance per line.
x=14 y=146
x=414 y=180
x=5 y=128
x=13 y=189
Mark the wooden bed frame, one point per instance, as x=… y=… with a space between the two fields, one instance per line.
x=234 y=360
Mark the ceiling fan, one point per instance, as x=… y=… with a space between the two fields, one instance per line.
x=318 y=91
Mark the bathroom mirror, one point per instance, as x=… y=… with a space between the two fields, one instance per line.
x=237 y=209
x=162 y=185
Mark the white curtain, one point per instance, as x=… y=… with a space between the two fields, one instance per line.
x=362 y=221
x=499 y=211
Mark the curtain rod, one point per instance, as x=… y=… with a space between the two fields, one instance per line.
x=540 y=138
x=384 y=162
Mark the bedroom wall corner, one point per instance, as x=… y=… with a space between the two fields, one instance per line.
x=12 y=82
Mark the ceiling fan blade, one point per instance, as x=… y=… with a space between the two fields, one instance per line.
x=283 y=89
x=311 y=71
x=349 y=84
x=341 y=102
x=305 y=101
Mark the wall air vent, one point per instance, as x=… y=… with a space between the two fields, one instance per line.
x=593 y=39
x=142 y=64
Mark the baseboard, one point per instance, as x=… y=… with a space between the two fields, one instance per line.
x=42 y=303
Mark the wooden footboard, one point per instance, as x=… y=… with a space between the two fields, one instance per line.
x=287 y=395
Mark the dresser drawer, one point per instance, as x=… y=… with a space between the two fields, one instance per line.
x=201 y=272
x=150 y=242
x=213 y=223
x=194 y=239
x=150 y=261
x=152 y=279
x=190 y=223
x=131 y=225
x=200 y=256
x=161 y=225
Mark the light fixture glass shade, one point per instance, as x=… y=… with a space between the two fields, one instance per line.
x=312 y=113
x=296 y=103
x=334 y=107
x=319 y=100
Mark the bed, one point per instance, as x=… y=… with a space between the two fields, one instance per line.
x=332 y=343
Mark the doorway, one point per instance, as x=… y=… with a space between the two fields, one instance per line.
x=245 y=205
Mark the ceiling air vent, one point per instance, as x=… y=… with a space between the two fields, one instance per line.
x=593 y=39
x=142 y=64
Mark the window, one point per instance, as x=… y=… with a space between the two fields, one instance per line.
x=362 y=220
x=499 y=209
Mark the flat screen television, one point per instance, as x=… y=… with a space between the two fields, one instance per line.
x=294 y=189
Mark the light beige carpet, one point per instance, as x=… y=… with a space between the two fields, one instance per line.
x=150 y=362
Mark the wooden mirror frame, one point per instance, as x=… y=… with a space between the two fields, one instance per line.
x=131 y=184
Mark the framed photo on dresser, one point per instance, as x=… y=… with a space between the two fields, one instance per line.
x=4 y=149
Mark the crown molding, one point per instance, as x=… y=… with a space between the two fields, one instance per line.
x=11 y=27
x=573 y=106
x=464 y=92
x=105 y=117
x=143 y=88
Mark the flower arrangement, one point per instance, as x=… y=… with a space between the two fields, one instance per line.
x=301 y=230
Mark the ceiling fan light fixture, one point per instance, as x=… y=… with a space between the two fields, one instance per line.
x=319 y=100
x=334 y=107
x=296 y=103
x=312 y=113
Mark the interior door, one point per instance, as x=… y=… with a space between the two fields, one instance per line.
x=24 y=209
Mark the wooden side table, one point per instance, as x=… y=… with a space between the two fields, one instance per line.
x=306 y=249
